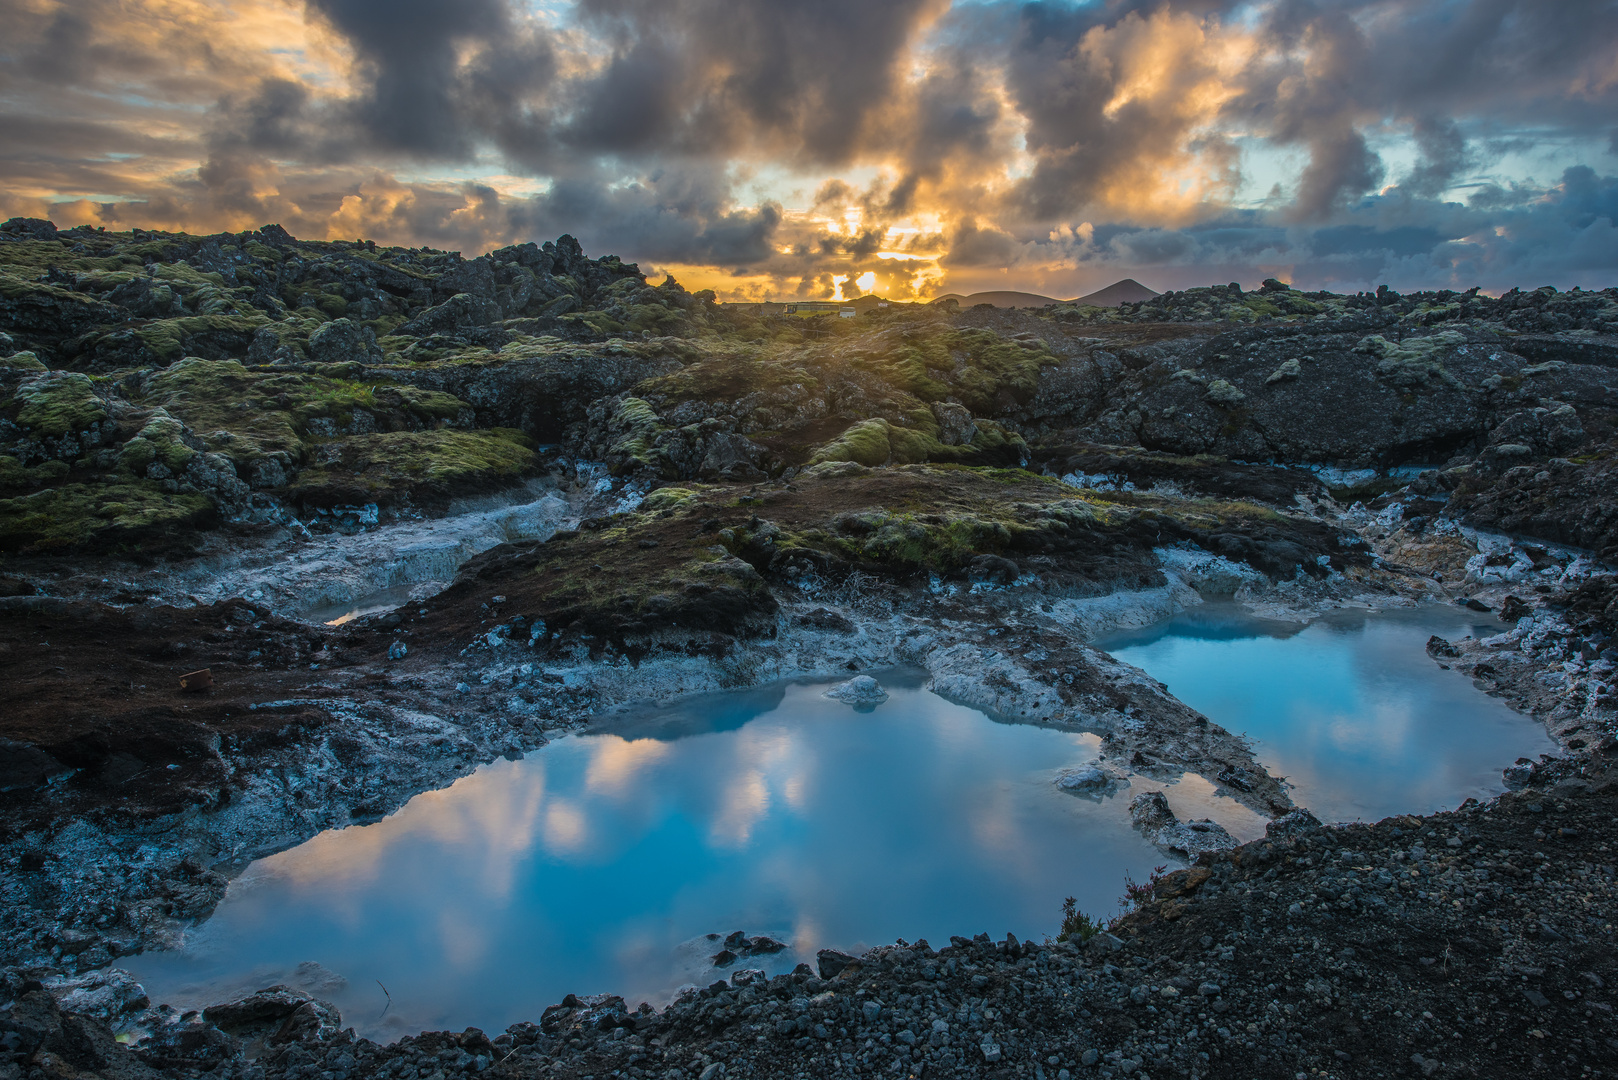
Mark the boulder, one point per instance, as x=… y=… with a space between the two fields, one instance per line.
x=860 y=691
x=955 y=426
x=343 y=341
x=29 y=228
x=1152 y=815
x=105 y=995
x=1223 y=393
x=276 y=1014
x=1092 y=780
x=832 y=962
x=994 y=569
x=1296 y=823
x=461 y=311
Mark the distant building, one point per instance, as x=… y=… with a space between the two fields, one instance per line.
x=846 y=313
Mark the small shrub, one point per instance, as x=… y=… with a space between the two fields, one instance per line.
x=1138 y=894
x=1076 y=925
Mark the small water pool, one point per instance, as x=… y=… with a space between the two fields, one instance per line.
x=1350 y=709
x=601 y=862
x=372 y=603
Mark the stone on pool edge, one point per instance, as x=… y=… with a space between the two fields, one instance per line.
x=861 y=690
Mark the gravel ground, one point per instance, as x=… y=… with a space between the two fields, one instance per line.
x=1478 y=942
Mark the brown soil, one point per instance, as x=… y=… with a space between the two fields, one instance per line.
x=94 y=698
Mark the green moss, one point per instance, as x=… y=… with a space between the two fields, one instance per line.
x=637 y=426
x=34 y=254
x=866 y=443
x=669 y=498
x=233 y=411
x=261 y=252
x=23 y=361
x=186 y=275
x=12 y=473
x=391 y=466
x=122 y=515
x=1415 y=362
x=159 y=441
x=17 y=288
x=46 y=473
x=58 y=403
x=424 y=404
x=877 y=442
x=909 y=541
x=167 y=338
x=728 y=376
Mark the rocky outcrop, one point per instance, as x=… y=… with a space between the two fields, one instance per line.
x=1151 y=814
x=1350 y=400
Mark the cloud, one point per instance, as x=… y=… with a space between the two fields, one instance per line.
x=779 y=146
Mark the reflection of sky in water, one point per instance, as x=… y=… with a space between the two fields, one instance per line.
x=1350 y=709
x=586 y=866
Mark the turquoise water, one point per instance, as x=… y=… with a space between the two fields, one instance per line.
x=1350 y=709
x=601 y=862
x=598 y=863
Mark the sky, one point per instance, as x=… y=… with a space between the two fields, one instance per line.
x=818 y=148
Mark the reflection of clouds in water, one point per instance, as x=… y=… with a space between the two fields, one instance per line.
x=464 y=943
x=488 y=816
x=638 y=947
x=997 y=827
x=584 y=866
x=764 y=758
x=807 y=934
x=746 y=800
x=616 y=762
x=566 y=830
x=1389 y=729
x=1350 y=710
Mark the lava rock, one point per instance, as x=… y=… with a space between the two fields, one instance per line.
x=860 y=691
x=1092 y=780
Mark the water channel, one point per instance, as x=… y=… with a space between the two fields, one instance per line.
x=604 y=861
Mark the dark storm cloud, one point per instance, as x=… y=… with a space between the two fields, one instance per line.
x=676 y=215
x=1444 y=153
x=421 y=98
x=711 y=75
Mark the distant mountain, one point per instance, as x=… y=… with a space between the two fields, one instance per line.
x=1127 y=291
x=1000 y=299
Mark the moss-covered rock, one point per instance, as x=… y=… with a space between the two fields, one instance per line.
x=419 y=466
x=233 y=411
x=129 y=516
x=59 y=403
x=37 y=308
x=251 y=415
x=161 y=441
x=21 y=362
x=669 y=498
x=878 y=442
x=215 y=336
x=635 y=425
x=1415 y=362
